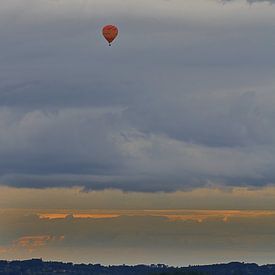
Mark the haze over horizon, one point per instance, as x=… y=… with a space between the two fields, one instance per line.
x=159 y=149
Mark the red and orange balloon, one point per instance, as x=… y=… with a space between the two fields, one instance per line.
x=110 y=33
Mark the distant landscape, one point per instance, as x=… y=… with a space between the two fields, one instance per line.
x=38 y=266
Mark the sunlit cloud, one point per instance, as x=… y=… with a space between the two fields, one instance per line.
x=54 y=216
x=171 y=215
x=30 y=243
x=3 y=250
x=34 y=242
x=201 y=216
x=98 y=235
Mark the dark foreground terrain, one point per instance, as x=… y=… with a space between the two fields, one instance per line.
x=37 y=266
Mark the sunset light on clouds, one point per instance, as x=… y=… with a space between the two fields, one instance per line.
x=133 y=223
x=159 y=149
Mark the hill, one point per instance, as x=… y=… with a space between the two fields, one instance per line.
x=39 y=267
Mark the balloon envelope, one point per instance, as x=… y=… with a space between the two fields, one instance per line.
x=110 y=32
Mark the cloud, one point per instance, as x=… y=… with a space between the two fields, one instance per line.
x=30 y=243
x=171 y=215
x=55 y=216
x=184 y=99
x=139 y=236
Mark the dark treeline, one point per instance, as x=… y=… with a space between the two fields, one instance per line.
x=38 y=267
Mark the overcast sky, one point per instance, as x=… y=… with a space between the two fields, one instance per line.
x=182 y=103
x=184 y=98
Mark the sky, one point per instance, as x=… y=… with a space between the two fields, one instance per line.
x=98 y=142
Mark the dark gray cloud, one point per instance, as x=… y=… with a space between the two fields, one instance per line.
x=184 y=98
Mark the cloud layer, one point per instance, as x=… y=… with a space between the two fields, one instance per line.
x=184 y=98
x=171 y=237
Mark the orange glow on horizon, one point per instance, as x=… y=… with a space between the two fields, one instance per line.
x=171 y=215
x=54 y=216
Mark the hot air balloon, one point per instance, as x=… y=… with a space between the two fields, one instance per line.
x=110 y=33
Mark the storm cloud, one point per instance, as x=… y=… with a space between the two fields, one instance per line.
x=184 y=98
